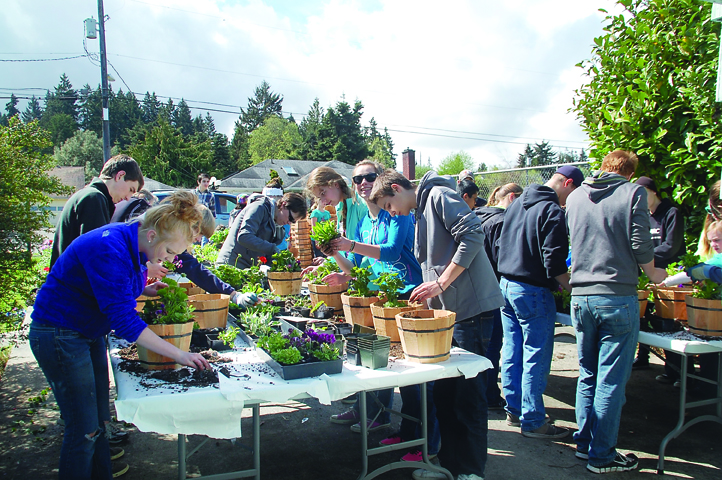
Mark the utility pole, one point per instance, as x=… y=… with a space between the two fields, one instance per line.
x=104 y=84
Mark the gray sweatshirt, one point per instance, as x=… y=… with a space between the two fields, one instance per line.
x=447 y=230
x=609 y=231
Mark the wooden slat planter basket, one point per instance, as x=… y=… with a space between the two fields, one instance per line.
x=285 y=283
x=329 y=294
x=669 y=302
x=141 y=301
x=178 y=334
x=211 y=309
x=643 y=296
x=704 y=316
x=191 y=288
x=426 y=334
x=357 y=310
x=385 y=318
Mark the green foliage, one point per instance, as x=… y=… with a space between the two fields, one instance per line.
x=688 y=260
x=263 y=105
x=454 y=163
x=708 y=290
x=317 y=306
x=277 y=138
x=228 y=336
x=284 y=261
x=650 y=89
x=207 y=254
x=84 y=149
x=359 y=285
x=326 y=352
x=340 y=136
x=258 y=322
x=25 y=189
x=324 y=232
x=326 y=268
x=219 y=236
x=390 y=284
x=172 y=308
x=228 y=273
x=565 y=297
x=542 y=154
x=643 y=282
x=287 y=356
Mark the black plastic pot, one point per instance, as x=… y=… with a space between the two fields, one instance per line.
x=324 y=312
x=215 y=343
x=343 y=328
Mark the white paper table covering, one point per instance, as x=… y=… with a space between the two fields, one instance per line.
x=680 y=342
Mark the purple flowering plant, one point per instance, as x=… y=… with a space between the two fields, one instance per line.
x=295 y=347
x=171 y=307
x=174 y=265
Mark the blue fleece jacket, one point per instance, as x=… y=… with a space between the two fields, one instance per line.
x=201 y=276
x=395 y=236
x=93 y=286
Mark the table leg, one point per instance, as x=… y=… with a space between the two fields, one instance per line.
x=364 y=435
x=257 y=440
x=181 y=456
x=682 y=409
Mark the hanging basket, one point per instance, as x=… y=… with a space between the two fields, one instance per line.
x=211 y=309
x=357 y=310
x=329 y=294
x=426 y=334
x=669 y=302
x=704 y=316
x=643 y=296
x=178 y=334
x=385 y=318
x=285 y=283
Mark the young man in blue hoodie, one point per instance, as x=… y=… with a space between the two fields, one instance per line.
x=609 y=231
x=533 y=249
x=449 y=245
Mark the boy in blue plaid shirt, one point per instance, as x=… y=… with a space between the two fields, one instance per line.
x=204 y=194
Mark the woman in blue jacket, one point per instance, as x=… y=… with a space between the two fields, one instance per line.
x=90 y=291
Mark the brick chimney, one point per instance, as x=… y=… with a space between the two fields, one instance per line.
x=408 y=162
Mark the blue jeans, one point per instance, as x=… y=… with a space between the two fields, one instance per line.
x=461 y=406
x=76 y=368
x=385 y=396
x=607 y=328
x=411 y=405
x=493 y=353
x=528 y=321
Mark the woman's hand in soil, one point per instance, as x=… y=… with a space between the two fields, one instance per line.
x=156 y=270
x=333 y=279
x=194 y=360
x=152 y=289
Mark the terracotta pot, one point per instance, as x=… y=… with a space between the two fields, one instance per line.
x=177 y=334
x=285 y=283
x=426 y=334
x=669 y=302
x=704 y=316
x=330 y=295
x=211 y=309
x=643 y=296
x=357 y=310
x=385 y=318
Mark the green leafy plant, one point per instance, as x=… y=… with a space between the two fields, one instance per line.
x=219 y=236
x=258 y=323
x=564 y=299
x=294 y=347
x=317 y=306
x=229 y=335
x=326 y=268
x=707 y=289
x=231 y=275
x=359 y=285
x=689 y=260
x=173 y=306
x=643 y=282
x=207 y=254
x=284 y=261
x=389 y=283
x=324 y=232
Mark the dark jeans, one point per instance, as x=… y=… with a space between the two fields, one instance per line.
x=493 y=353
x=410 y=430
x=461 y=405
x=76 y=368
x=385 y=396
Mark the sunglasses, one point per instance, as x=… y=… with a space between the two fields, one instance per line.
x=369 y=177
x=711 y=211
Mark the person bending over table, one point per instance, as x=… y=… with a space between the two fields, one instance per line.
x=90 y=291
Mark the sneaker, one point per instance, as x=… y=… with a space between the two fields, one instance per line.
x=677 y=384
x=416 y=456
x=514 y=421
x=422 y=474
x=581 y=455
x=372 y=426
x=392 y=439
x=350 y=400
x=119 y=469
x=640 y=364
x=116 y=453
x=547 y=431
x=346 y=418
x=621 y=463
x=115 y=435
x=497 y=404
x=665 y=379
x=469 y=476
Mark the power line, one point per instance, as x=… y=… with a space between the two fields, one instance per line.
x=42 y=59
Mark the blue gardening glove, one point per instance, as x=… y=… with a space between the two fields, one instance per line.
x=699 y=272
x=245 y=300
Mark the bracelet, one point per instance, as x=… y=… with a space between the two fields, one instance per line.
x=353 y=245
x=440 y=287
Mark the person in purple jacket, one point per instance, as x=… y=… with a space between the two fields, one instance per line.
x=90 y=291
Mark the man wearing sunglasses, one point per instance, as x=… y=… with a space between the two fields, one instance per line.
x=254 y=234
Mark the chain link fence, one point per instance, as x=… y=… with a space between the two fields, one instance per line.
x=488 y=181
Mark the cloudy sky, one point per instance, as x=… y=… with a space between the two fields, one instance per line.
x=481 y=76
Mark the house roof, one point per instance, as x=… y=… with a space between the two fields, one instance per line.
x=70 y=176
x=152 y=185
x=294 y=174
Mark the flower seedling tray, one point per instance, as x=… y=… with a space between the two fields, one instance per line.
x=301 y=370
x=215 y=343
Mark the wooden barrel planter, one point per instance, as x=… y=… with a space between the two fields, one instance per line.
x=643 y=296
x=357 y=310
x=385 y=318
x=426 y=334
x=211 y=309
x=191 y=288
x=141 y=301
x=285 y=283
x=669 y=302
x=704 y=316
x=329 y=294
x=178 y=334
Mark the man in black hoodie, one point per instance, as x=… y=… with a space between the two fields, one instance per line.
x=533 y=249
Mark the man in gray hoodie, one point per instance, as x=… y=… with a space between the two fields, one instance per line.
x=609 y=231
x=458 y=277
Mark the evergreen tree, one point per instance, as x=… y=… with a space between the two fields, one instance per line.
x=33 y=111
x=340 y=136
x=62 y=100
x=11 y=107
x=240 y=156
x=91 y=110
x=544 y=154
x=182 y=119
x=84 y=149
x=166 y=111
x=223 y=164
x=309 y=130
x=527 y=158
x=210 y=126
x=151 y=107
x=262 y=105
x=125 y=113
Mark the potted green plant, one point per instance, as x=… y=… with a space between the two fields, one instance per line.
x=170 y=316
x=298 y=354
x=322 y=311
x=704 y=310
x=359 y=297
x=643 y=293
x=384 y=311
x=670 y=301
x=320 y=291
x=323 y=233
x=285 y=274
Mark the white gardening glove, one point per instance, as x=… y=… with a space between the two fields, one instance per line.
x=677 y=279
x=245 y=300
x=264 y=269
